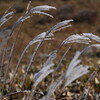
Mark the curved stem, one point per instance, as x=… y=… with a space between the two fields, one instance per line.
x=3 y=57
x=17 y=66
x=9 y=59
x=32 y=59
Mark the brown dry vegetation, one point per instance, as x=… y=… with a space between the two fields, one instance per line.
x=31 y=28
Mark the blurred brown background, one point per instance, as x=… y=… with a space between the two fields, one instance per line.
x=86 y=15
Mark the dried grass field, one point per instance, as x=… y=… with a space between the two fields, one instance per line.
x=50 y=50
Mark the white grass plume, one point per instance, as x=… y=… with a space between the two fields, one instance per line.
x=20 y=20
x=46 y=70
x=75 y=70
x=39 y=9
x=73 y=63
x=97 y=46
x=43 y=13
x=5 y=18
x=5 y=33
x=92 y=36
x=61 y=25
x=41 y=36
x=76 y=38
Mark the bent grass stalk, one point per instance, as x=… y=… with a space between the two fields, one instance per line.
x=10 y=57
x=31 y=60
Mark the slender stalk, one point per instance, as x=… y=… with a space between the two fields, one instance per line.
x=9 y=59
x=98 y=97
x=87 y=94
x=31 y=60
x=58 y=66
x=14 y=93
x=3 y=57
x=90 y=78
x=32 y=94
x=17 y=66
x=85 y=98
x=19 y=92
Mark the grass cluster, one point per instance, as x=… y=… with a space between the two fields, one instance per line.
x=49 y=80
